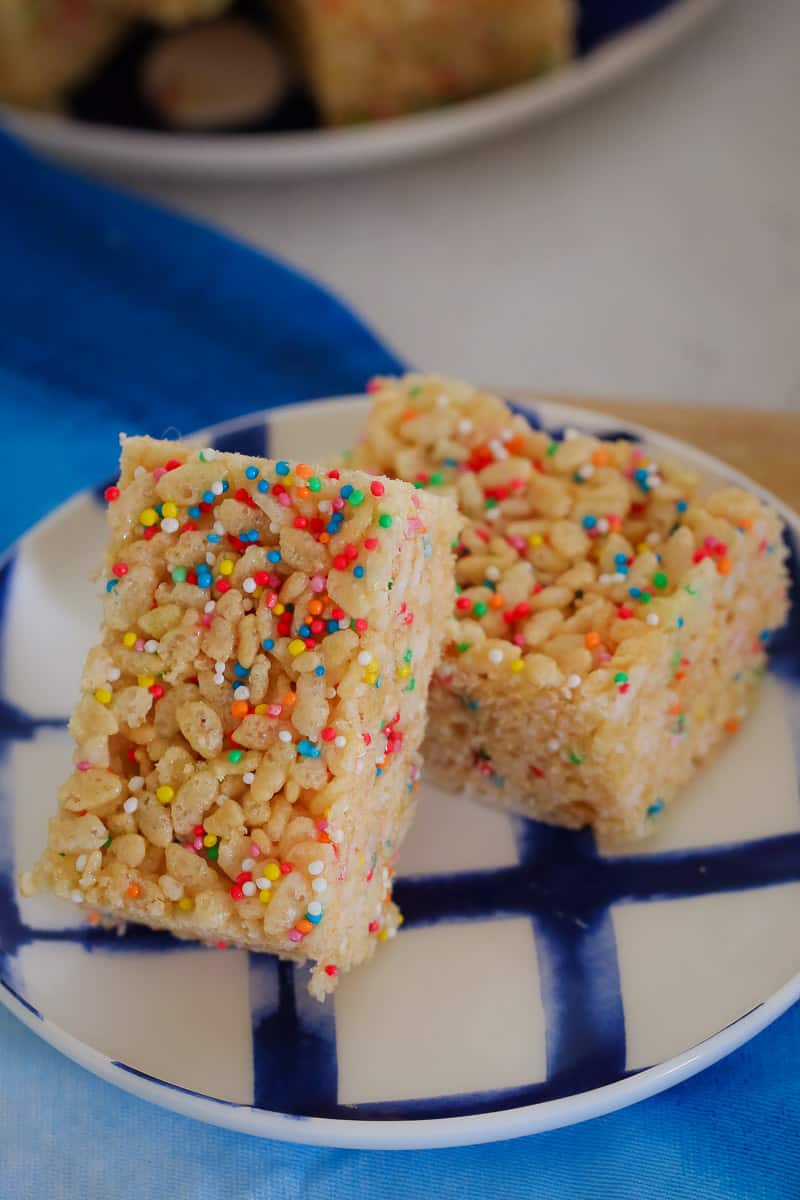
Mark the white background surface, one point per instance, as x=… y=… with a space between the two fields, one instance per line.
x=645 y=245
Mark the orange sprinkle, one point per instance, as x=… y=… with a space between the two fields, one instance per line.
x=409 y=414
x=732 y=725
x=289 y=700
x=724 y=566
x=516 y=443
x=601 y=458
x=323 y=837
x=93 y=919
x=134 y=891
x=679 y=675
x=592 y=640
x=746 y=523
x=496 y=601
x=316 y=607
x=239 y=709
x=303 y=493
x=675 y=710
x=304 y=926
x=304 y=471
x=324 y=538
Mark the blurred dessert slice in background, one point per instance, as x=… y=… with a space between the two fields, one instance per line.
x=371 y=59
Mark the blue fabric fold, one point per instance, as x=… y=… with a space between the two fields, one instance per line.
x=117 y=315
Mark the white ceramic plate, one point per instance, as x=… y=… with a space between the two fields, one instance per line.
x=536 y=983
x=260 y=155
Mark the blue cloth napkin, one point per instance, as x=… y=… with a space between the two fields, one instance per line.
x=115 y=314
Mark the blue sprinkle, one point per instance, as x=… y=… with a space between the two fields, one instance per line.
x=208 y=497
x=252 y=472
x=331 y=528
x=304 y=631
x=681 y=505
x=274 y=556
x=194 y=512
x=213 y=537
x=680 y=622
x=241 y=671
x=346 y=491
x=655 y=808
x=621 y=559
x=112 y=583
x=319 y=671
x=589 y=521
x=378 y=771
x=635 y=592
x=308 y=749
x=449 y=462
x=263 y=486
x=225 y=485
x=281 y=468
x=358 y=572
x=473 y=705
x=268 y=644
x=333 y=626
x=314 y=918
x=764 y=635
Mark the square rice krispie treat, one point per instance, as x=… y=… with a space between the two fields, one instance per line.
x=610 y=623
x=369 y=59
x=246 y=735
x=48 y=45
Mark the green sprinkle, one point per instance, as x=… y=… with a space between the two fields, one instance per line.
x=106 y=844
x=384 y=520
x=645 y=598
x=409 y=654
x=213 y=852
x=480 y=609
x=437 y=478
x=575 y=758
x=551 y=449
x=692 y=591
x=314 y=483
x=462 y=646
x=235 y=756
x=418 y=483
x=660 y=580
x=412 y=683
x=356 y=497
x=178 y=574
x=620 y=677
x=416 y=390
x=490 y=502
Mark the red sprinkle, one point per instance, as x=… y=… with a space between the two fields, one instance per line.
x=120 y=569
x=111 y=494
x=331 y=969
x=624 y=613
x=156 y=690
x=172 y=464
x=328 y=734
x=377 y=488
x=286 y=868
x=374 y=926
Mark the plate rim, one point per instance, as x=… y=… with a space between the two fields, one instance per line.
x=241 y=156
x=425 y=1132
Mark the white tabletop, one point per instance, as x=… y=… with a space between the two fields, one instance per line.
x=646 y=244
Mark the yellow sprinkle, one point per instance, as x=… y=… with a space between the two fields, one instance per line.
x=297 y=647
x=535 y=539
x=279 y=610
x=146 y=680
x=169 y=509
x=260 y=709
x=148 y=516
x=700 y=714
x=272 y=871
x=225 y=567
x=186 y=903
x=103 y=695
x=400 y=919
x=210 y=840
x=265 y=896
x=165 y=793
x=642 y=548
x=517 y=664
x=383 y=936
x=404 y=672
x=129 y=639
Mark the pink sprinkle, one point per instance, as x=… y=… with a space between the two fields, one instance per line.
x=274 y=581
x=139 y=645
x=322 y=824
x=158 y=472
x=603 y=656
x=83 y=765
x=518 y=639
x=295 y=935
x=274 y=710
x=517 y=542
x=285 y=499
x=374 y=385
x=255 y=850
x=198 y=843
x=272 y=600
x=318 y=583
x=206 y=619
x=338 y=503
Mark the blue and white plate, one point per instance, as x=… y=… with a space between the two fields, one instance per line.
x=536 y=982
